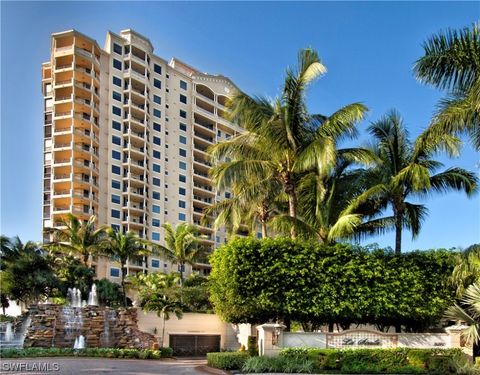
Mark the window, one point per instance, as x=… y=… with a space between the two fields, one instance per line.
x=182 y=191
x=156 y=195
x=117 y=81
x=116 y=111
x=156 y=181
x=183 y=127
x=116 y=140
x=114 y=272
x=156 y=168
x=157 y=83
x=156 y=154
x=157 y=141
x=182 y=165
x=157 y=127
x=182 y=216
x=117 y=64
x=182 y=204
x=116 y=155
x=182 y=139
x=155 y=236
x=116 y=125
x=183 y=113
x=157 y=68
x=183 y=85
x=217 y=239
x=183 y=99
x=115 y=198
x=155 y=208
x=219 y=133
x=115 y=227
x=116 y=184
x=117 y=48
x=157 y=113
x=115 y=214
x=155 y=222
x=115 y=169
x=155 y=263
x=182 y=152
x=117 y=96
x=182 y=178
x=157 y=99
x=227 y=195
x=259 y=235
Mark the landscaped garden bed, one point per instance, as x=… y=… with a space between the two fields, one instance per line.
x=87 y=352
x=358 y=361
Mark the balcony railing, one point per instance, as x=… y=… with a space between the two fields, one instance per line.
x=204 y=137
x=201 y=199
x=206 y=163
x=66 y=66
x=200 y=173
x=204 y=187
x=207 y=126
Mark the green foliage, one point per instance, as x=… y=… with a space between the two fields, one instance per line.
x=109 y=293
x=27 y=272
x=194 y=295
x=381 y=361
x=72 y=273
x=6 y=318
x=252 y=346
x=255 y=281
x=279 y=365
x=87 y=352
x=227 y=360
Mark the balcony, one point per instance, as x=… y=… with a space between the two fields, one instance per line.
x=202 y=162
x=204 y=137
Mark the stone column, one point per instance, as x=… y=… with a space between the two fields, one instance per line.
x=270 y=338
x=455 y=333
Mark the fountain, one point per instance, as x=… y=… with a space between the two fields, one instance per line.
x=79 y=342
x=106 y=336
x=8 y=333
x=92 y=296
x=75 y=297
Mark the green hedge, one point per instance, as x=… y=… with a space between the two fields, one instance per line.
x=382 y=361
x=279 y=365
x=227 y=360
x=87 y=352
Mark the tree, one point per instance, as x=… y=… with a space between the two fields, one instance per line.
x=109 y=293
x=158 y=292
x=181 y=245
x=468 y=310
x=467 y=269
x=79 y=237
x=27 y=272
x=404 y=169
x=72 y=273
x=451 y=62
x=254 y=281
x=281 y=139
x=124 y=247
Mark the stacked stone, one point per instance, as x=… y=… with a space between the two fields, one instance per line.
x=41 y=332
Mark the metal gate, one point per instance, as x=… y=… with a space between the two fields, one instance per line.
x=194 y=345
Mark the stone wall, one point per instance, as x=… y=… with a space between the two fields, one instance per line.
x=58 y=326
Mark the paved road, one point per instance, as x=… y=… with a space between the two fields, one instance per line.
x=93 y=366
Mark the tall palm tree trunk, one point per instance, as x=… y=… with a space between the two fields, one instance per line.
x=182 y=266
x=163 y=329
x=124 y=274
x=289 y=187
x=264 y=229
x=398 y=215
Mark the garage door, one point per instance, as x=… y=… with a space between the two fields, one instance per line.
x=194 y=345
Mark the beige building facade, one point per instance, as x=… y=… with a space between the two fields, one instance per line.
x=125 y=138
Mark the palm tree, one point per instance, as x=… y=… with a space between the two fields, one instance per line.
x=404 y=169
x=468 y=310
x=467 y=269
x=76 y=236
x=282 y=139
x=451 y=62
x=125 y=246
x=181 y=245
x=159 y=292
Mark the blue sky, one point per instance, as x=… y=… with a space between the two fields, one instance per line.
x=368 y=48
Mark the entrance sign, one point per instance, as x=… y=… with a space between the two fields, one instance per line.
x=360 y=338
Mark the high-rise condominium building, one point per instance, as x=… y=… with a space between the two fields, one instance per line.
x=125 y=138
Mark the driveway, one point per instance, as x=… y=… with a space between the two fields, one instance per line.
x=91 y=366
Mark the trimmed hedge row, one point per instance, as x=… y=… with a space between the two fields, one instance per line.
x=227 y=360
x=357 y=361
x=87 y=352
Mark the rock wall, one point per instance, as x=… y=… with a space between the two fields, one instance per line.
x=58 y=326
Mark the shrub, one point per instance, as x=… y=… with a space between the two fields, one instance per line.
x=227 y=360
x=278 y=364
x=87 y=352
x=252 y=346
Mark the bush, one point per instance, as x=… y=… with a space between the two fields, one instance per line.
x=87 y=352
x=278 y=364
x=252 y=346
x=227 y=360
